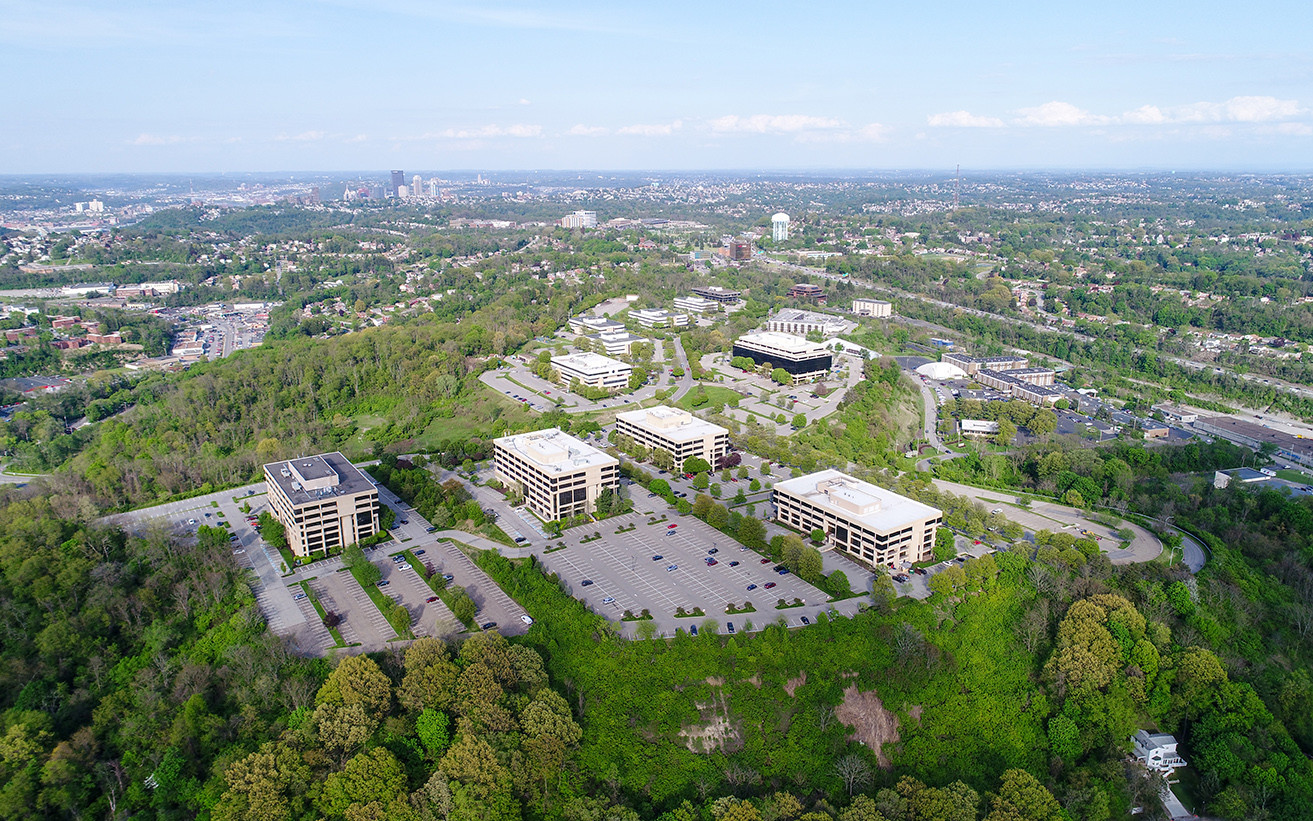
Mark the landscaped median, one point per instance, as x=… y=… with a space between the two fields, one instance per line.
x=323 y=614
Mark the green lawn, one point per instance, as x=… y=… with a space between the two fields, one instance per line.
x=1295 y=476
x=715 y=395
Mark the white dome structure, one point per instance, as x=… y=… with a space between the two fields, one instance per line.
x=779 y=227
x=941 y=371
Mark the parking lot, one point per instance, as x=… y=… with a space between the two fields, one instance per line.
x=405 y=586
x=663 y=567
x=340 y=593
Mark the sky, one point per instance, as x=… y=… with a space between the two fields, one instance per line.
x=426 y=85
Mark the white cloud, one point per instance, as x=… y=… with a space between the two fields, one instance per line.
x=1236 y=110
x=773 y=123
x=582 y=130
x=651 y=129
x=1056 y=114
x=303 y=137
x=962 y=119
x=157 y=139
x=523 y=101
x=518 y=130
x=359 y=138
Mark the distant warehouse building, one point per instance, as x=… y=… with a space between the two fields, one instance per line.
x=323 y=502
x=559 y=475
x=1294 y=448
x=593 y=370
x=872 y=307
x=875 y=525
x=797 y=356
x=678 y=432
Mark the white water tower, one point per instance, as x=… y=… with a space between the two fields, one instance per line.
x=779 y=227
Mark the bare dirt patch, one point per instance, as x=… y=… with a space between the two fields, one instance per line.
x=715 y=732
x=793 y=684
x=872 y=724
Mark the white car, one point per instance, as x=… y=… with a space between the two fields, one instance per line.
x=526 y=619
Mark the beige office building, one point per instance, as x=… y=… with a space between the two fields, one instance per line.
x=872 y=307
x=323 y=502
x=559 y=475
x=867 y=522
x=676 y=431
x=593 y=370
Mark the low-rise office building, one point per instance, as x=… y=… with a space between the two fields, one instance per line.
x=804 y=290
x=659 y=318
x=558 y=475
x=870 y=523
x=593 y=370
x=696 y=305
x=1005 y=380
x=1241 y=432
x=323 y=502
x=872 y=307
x=798 y=357
x=588 y=324
x=615 y=343
x=675 y=431
x=715 y=293
x=802 y=323
x=1177 y=414
x=973 y=364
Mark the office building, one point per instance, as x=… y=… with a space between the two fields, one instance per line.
x=779 y=227
x=659 y=318
x=615 y=343
x=323 y=502
x=872 y=307
x=593 y=370
x=1288 y=446
x=715 y=293
x=1032 y=388
x=972 y=365
x=797 y=356
x=801 y=323
x=696 y=305
x=558 y=475
x=398 y=180
x=803 y=290
x=589 y=324
x=416 y=186
x=678 y=432
x=867 y=522
x=579 y=219
x=740 y=250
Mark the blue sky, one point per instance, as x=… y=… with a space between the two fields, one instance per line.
x=369 y=84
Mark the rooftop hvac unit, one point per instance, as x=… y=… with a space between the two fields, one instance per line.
x=286 y=473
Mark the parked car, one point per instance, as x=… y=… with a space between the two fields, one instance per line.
x=806 y=620
x=770 y=585
x=446 y=577
x=733 y=564
x=526 y=619
x=491 y=625
x=658 y=557
x=765 y=561
x=419 y=552
x=692 y=629
x=713 y=551
x=299 y=596
x=729 y=626
x=609 y=600
x=752 y=587
x=672 y=567
x=384 y=583
x=585 y=582
x=671 y=527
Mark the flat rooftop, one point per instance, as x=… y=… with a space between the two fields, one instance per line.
x=589 y=362
x=553 y=451
x=316 y=478
x=673 y=423
x=798 y=315
x=788 y=343
x=1258 y=433
x=874 y=507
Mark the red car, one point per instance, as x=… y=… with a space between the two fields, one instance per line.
x=430 y=599
x=765 y=561
x=769 y=585
x=671 y=527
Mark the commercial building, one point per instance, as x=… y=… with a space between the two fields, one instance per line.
x=589 y=324
x=1174 y=413
x=977 y=427
x=615 y=343
x=593 y=370
x=1292 y=448
x=84 y=289
x=801 y=323
x=558 y=475
x=659 y=318
x=798 y=357
x=323 y=502
x=872 y=307
x=973 y=364
x=1017 y=388
x=740 y=249
x=870 y=523
x=803 y=290
x=579 y=219
x=678 y=432
x=1004 y=380
x=398 y=180
x=696 y=305
x=715 y=293
x=779 y=227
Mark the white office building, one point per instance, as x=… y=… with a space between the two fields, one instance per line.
x=616 y=343
x=798 y=357
x=559 y=475
x=696 y=305
x=659 y=318
x=870 y=523
x=593 y=370
x=802 y=323
x=579 y=219
x=675 y=431
x=589 y=324
x=872 y=307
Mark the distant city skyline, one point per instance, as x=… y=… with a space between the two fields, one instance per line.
x=338 y=84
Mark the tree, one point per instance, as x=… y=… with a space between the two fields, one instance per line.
x=358 y=680
x=272 y=531
x=431 y=727
x=754 y=486
x=945 y=544
x=429 y=677
x=700 y=481
x=817 y=535
x=740 y=497
x=718 y=517
x=1022 y=798
x=810 y=565
x=799 y=420
x=373 y=776
x=837 y=584
x=781 y=377
x=1006 y=433
x=715 y=490
x=854 y=771
x=694 y=464
x=752 y=532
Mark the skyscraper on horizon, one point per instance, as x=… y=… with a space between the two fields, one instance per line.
x=398 y=180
